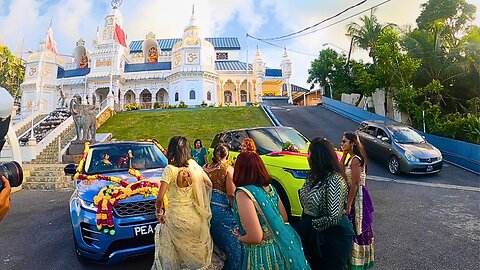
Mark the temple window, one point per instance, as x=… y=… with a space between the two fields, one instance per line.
x=209 y=96
x=192 y=94
x=222 y=56
x=176 y=96
x=243 y=96
x=227 y=96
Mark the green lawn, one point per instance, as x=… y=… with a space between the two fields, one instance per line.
x=202 y=123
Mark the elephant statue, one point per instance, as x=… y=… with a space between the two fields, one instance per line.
x=85 y=119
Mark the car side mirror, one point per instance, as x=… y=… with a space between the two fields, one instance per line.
x=70 y=169
x=384 y=139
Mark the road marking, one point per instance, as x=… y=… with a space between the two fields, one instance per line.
x=408 y=182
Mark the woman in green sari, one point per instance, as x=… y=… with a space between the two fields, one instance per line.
x=271 y=243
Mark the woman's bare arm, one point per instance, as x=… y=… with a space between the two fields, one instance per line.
x=230 y=186
x=249 y=219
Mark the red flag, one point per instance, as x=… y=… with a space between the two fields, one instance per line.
x=119 y=36
x=50 y=44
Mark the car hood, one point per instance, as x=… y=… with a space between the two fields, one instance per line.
x=87 y=191
x=421 y=150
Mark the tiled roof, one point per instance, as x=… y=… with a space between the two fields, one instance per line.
x=231 y=65
x=272 y=72
x=148 y=66
x=167 y=44
x=72 y=72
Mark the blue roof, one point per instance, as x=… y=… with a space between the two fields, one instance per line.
x=295 y=88
x=167 y=44
x=72 y=72
x=272 y=72
x=231 y=65
x=148 y=66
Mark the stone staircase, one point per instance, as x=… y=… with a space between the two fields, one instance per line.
x=50 y=154
x=46 y=177
x=26 y=127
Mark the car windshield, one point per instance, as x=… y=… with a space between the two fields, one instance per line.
x=120 y=157
x=271 y=140
x=406 y=135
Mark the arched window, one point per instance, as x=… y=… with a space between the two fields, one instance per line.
x=176 y=96
x=209 y=96
x=192 y=94
x=227 y=96
x=243 y=96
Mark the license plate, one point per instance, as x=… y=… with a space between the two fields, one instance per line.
x=144 y=230
x=429 y=168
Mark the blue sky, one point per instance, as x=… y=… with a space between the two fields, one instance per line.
x=28 y=20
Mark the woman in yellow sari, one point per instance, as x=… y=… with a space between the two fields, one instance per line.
x=182 y=237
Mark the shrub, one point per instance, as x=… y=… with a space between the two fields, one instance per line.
x=157 y=105
x=182 y=105
x=132 y=107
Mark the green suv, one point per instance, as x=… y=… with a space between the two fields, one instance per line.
x=288 y=170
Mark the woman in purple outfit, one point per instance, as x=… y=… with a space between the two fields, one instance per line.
x=359 y=204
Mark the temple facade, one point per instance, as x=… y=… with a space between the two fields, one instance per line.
x=151 y=72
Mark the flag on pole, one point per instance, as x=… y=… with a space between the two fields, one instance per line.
x=51 y=44
x=119 y=36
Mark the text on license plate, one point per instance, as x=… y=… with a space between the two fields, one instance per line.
x=144 y=229
x=429 y=168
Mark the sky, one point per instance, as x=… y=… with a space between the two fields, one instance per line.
x=26 y=21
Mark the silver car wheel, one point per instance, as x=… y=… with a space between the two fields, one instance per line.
x=394 y=165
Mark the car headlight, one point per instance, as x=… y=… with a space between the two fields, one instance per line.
x=87 y=205
x=300 y=174
x=440 y=157
x=409 y=155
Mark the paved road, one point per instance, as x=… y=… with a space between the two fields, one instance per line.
x=318 y=121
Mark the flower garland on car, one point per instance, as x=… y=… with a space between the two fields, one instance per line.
x=109 y=196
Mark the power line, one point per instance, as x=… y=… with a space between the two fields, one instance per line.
x=278 y=46
x=327 y=19
x=332 y=24
x=264 y=40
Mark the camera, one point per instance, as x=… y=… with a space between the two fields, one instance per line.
x=13 y=172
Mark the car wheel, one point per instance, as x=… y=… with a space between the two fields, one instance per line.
x=394 y=165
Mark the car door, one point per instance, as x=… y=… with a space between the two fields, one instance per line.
x=369 y=140
x=383 y=147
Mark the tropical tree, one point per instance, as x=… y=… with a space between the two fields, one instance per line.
x=11 y=71
x=365 y=35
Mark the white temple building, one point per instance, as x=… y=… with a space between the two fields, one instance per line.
x=191 y=69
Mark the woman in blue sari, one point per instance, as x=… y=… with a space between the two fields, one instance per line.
x=223 y=222
x=271 y=243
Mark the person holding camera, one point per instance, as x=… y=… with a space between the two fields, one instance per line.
x=5 y=198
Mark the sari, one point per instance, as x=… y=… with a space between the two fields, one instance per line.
x=184 y=241
x=281 y=247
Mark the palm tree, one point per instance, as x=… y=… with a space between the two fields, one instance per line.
x=365 y=35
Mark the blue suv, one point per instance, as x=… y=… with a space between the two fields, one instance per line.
x=134 y=217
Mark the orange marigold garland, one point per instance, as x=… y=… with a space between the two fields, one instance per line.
x=109 y=196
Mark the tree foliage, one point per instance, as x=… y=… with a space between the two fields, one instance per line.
x=11 y=71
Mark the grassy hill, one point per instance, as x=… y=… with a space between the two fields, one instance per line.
x=202 y=123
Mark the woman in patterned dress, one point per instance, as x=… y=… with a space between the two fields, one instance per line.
x=325 y=230
x=359 y=204
x=271 y=243
x=223 y=222
x=182 y=238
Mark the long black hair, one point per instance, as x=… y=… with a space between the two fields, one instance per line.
x=357 y=147
x=178 y=152
x=323 y=160
x=195 y=143
x=219 y=152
